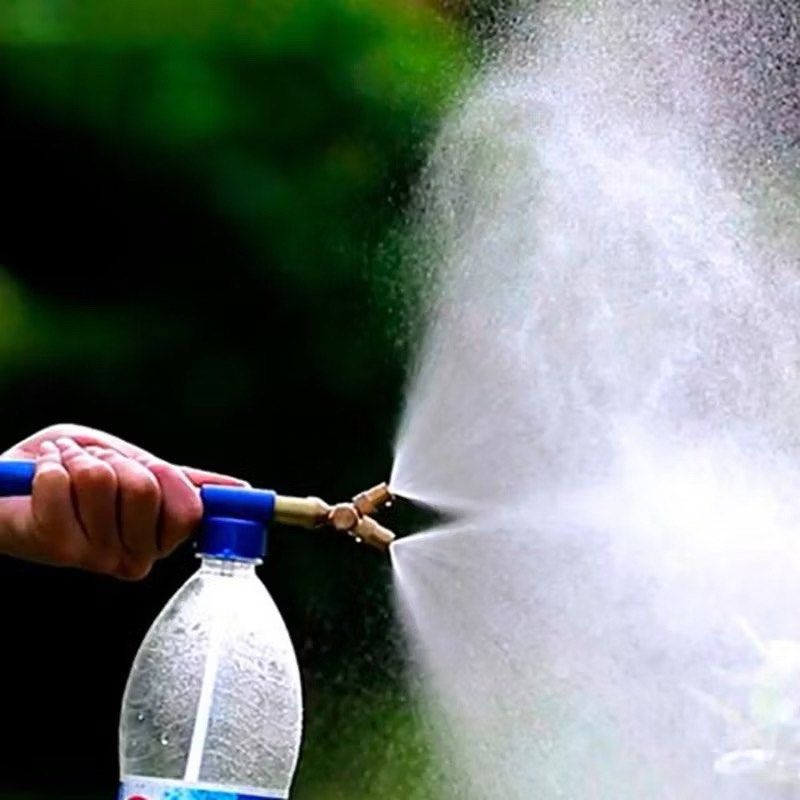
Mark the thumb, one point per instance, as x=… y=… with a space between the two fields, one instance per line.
x=200 y=476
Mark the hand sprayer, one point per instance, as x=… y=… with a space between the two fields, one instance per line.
x=213 y=705
x=228 y=509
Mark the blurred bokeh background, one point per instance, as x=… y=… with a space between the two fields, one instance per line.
x=202 y=250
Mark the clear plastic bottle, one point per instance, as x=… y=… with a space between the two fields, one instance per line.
x=213 y=705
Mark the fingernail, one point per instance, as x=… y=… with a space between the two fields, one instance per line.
x=64 y=441
x=48 y=447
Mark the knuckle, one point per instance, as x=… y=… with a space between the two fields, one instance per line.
x=141 y=488
x=96 y=476
x=47 y=476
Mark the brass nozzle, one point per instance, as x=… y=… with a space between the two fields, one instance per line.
x=305 y=512
x=350 y=518
x=346 y=518
x=372 y=500
x=373 y=534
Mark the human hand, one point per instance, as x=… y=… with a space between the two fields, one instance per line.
x=100 y=503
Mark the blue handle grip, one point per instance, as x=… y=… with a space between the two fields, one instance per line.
x=16 y=478
x=235 y=519
x=258 y=505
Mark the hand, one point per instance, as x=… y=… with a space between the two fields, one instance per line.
x=100 y=503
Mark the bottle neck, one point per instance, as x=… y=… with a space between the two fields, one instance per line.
x=228 y=567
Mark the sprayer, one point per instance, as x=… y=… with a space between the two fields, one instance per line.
x=212 y=709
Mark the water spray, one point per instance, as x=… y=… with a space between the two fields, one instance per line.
x=232 y=507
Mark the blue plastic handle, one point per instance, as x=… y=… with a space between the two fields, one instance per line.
x=258 y=505
x=16 y=478
x=235 y=518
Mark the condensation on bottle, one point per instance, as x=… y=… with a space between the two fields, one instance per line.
x=213 y=706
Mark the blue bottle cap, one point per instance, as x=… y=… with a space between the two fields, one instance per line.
x=235 y=522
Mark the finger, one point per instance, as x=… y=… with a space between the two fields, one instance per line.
x=181 y=509
x=57 y=535
x=200 y=476
x=94 y=490
x=80 y=434
x=89 y=436
x=138 y=504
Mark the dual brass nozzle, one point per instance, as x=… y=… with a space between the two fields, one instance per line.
x=353 y=518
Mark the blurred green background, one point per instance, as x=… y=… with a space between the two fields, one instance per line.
x=201 y=250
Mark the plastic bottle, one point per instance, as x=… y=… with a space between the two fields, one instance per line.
x=213 y=705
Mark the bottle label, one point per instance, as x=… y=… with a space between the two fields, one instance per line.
x=132 y=788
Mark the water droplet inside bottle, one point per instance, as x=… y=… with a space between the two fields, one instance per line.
x=164 y=739
x=140 y=716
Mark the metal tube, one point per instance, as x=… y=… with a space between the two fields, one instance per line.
x=304 y=512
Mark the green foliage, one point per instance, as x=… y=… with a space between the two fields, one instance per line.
x=380 y=750
x=296 y=125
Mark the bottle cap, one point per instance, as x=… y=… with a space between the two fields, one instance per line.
x=235 y=522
